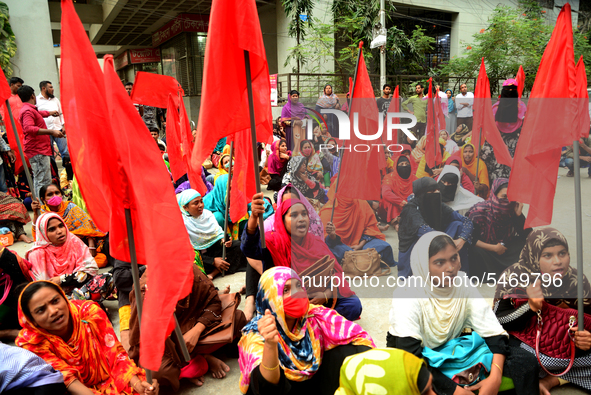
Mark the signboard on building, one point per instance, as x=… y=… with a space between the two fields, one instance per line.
x=273 y=80
x=181 y=23
x=144 y=55
x=121 y=61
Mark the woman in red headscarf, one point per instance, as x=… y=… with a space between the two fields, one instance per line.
x=456 y=160
x=396 y=188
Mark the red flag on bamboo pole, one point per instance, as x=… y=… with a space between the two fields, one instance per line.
x=484 y=120
x=113 y=178
x=178 y=167
x=439 y=114
x=234 y=27
x=520 y=80
x=5 y=94
x=551 y=110
x=358 y=176
x=432 y=150
x=582 y=100
x=153 y=89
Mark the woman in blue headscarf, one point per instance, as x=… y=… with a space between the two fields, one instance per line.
x=451 y=119
x=207 y=237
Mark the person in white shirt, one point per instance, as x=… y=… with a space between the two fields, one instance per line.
x=464 y=104
x=46 y=101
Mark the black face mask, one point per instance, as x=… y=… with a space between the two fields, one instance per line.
x=508 y=105
x=430 y=207
x=448 y=192
x=403 y=171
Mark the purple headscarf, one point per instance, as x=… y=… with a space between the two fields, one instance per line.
x=291 y=110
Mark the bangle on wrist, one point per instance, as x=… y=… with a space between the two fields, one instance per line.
x=501 y=370
x=271 y=369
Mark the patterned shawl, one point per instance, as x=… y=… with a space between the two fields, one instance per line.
x=293 y=111
x=457 y=136
x=11 y=209
x=316 y=227
x=300 y=351
x=93 y=355
x=49 y=261
x=295 y=162
x=204 y=230
x=76 y=219
x=326 y=101
x=494 y=217
x=529 y=264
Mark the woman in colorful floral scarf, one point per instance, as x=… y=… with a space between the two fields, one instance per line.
x=292 y=347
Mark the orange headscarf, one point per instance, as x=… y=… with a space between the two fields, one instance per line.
x=93 y=355
x=482 y=170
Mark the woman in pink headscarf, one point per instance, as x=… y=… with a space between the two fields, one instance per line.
x=277 y=164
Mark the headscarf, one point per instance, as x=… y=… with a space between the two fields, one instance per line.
x=77 y=221
x=299 y=257
x=313 y=162
x=399 y=186
x=509 y=110
x=295 y=163
x=12 y=209
x=215 y=201
x=92 y=354
x=220 y=145
x=334 y=164
x=419 y=151
x=275 y=164
x=457 y=136
x=482 y=175
x=49 y=260
x=300 y=351
x=352 y=218
x=316 y=227
x=465 y=180
x=221 y=169
x=327 y=101
x=451 y=105
x=494 y=217
x=383 y=371
x=529 y=264
x=204 y=230
x=443 y=311
x=291 y=110
x=450 y=146
x=461 y=199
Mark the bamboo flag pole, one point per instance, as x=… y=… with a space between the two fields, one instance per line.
x=227 y=214
x=253 y=137
x=579 y=227
x=343 y=152
x=478 y=157
x=20 y=150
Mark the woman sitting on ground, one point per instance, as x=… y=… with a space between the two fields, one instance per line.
x=454 y=195
x=14 y=215
x=77 y=221
x=498 y=229
x=426 y=213
x=431 y=314
x=425 y=171
x=313 y=162
x=356 y=225
x=291 y=244
x=329 y=152
x=396 y=188
x=277 y=164
x=298 y=175
x=207 y=237
x=18 y=271
x=461 y=134
x=455 y=160
x=469 y=165
x=77 y=339
x=546 y=252
x=450 y=146
x=292 y=346
x=197 y=314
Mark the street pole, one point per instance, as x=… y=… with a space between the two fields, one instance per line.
x=383 y=47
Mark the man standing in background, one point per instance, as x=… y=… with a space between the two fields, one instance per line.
x=14 y=101
x=464 y=103
x=384 y=101
x=419 y=110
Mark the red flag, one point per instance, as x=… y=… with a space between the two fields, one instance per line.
x=432 y=150
x=358 y=176
x=440 y=115
x=520 y=80
x=153 y=89
x=243 y=178
x=551 y=109
x=186 y=137
x=582 y=100
x=113 y=177
x=394 y=107
x=484 y=120
x=234 y=27
x=178 y=167
x=5 y=95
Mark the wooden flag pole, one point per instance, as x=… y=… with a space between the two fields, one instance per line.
x=343 y=152
x=478 y=157
x=579 y=227
x=135 y=273
x=253 y=137
x=20 y=150
x=227 y=214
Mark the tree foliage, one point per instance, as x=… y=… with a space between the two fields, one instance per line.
x=7 y=41
x=297 y=26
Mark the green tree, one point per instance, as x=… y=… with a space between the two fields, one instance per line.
x=7 y=41
x=297 y=26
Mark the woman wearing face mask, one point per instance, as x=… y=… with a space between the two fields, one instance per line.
x=437 y=310
x=456 y=161
x=291 y=244
x=546 y=252
x=454 y=195
x=292 y=115
x=77 y=221
x=313 y=163
x=452 y=119
x=59 y=256
x=498 y=229
x=223 y=167
x=426 y=213
x=396 y=188
x=292 y=346
x=77 y=339
x=277 y=164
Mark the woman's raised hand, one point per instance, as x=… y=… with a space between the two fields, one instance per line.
x=257 y=208
x=268 y=328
